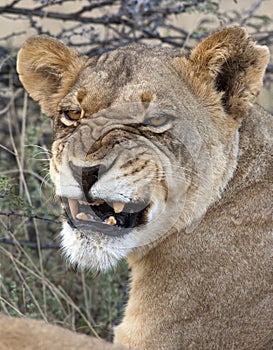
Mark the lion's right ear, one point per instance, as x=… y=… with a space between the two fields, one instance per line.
x=226 y=69
x=47 y=69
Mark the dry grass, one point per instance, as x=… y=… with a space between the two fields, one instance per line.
x=34 y=278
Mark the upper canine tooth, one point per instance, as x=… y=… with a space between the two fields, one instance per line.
x=118 y=207
x=73 y=205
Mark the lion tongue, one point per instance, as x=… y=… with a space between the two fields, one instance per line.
x=73 y=206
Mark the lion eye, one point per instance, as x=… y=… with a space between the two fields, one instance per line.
x=157 y=121
x=72 y=115
x=69 y=118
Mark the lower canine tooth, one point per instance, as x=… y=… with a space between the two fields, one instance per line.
x=111 y=221
x=73 y=206
x=84 y=216
x=118 y=207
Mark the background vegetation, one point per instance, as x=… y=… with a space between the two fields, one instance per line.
x=34 y=279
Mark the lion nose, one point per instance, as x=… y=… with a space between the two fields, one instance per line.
x=87 y=176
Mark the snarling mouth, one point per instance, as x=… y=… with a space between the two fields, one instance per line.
x=115 y=219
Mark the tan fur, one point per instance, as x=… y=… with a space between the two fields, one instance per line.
x=215 y=290
x=202 y=263
x=22 y=334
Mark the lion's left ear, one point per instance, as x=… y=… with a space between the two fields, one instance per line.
x=227 y=66
x=47 y=68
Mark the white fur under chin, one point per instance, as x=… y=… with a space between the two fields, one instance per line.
x=93 y=252
x=100 y=252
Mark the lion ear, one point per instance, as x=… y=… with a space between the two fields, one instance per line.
x=230 y=66
x=47 y=69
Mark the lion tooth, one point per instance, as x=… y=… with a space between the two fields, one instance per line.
x=97 y=202
x=111 y=221
x=73 y=206
x=83 y=202
x=118 y=207
x=84 y=216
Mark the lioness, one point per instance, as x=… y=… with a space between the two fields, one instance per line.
x=165 y=160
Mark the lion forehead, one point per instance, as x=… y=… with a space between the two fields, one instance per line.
x=134 y=73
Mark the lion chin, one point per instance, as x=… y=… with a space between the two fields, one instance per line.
x=90 y=251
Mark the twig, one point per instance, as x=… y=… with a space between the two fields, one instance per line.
x=31 y=245
x=13 y=97
x=38 y=217
x=12 y=35
x=251 y=12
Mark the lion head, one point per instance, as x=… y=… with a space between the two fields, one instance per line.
x=145 y=139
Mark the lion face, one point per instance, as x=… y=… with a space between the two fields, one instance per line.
x=142 y=145
x=122 y=172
